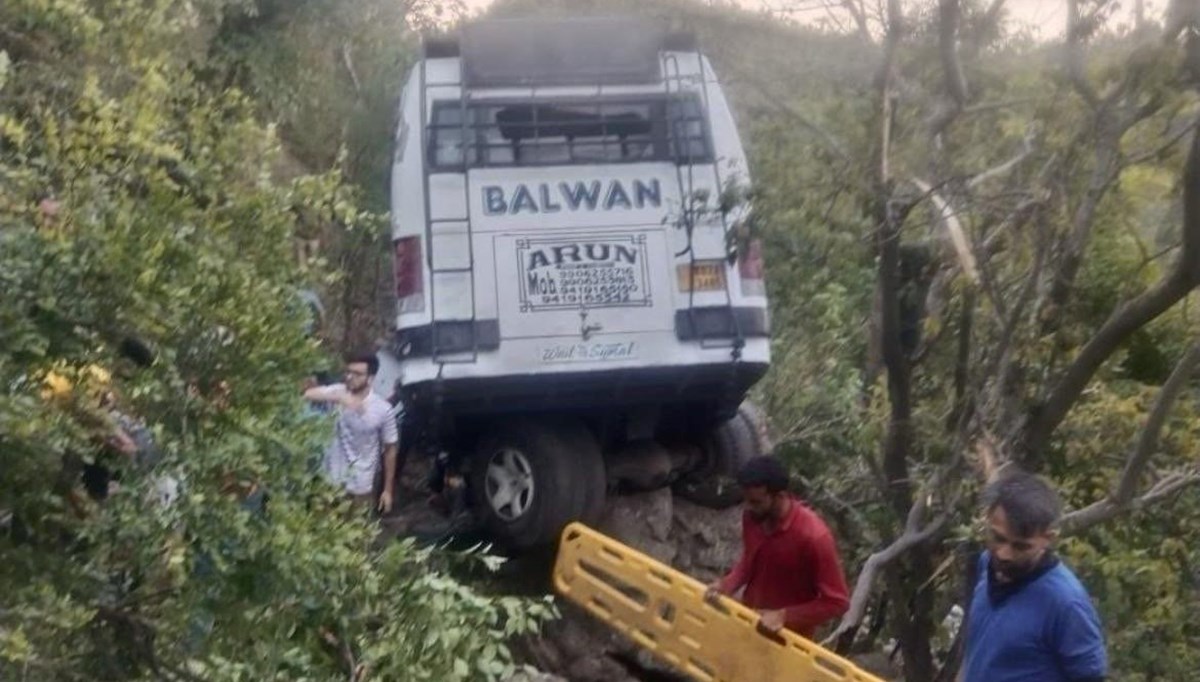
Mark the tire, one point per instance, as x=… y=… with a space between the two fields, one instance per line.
x=530 y=477
x=734 y=442
x=590 y=475
x=756 y=421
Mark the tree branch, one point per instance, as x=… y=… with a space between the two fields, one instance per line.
x=899 y=374
x=949 y=220
x=1159 y=152
x=860 y=18
x=1148 y=442
x=885 y=82
x=1000 y=367
x=1074 y=56
x=956 y=81
x=1105 y=510
x=962 y=359
x=983 y=176
x=1015 y=219
x=914 y=534
x=349 y=63
x=873 y=566
x=935 y=306
x=1105 y=172
x=1122 y=495
x=342 y=647
x=1170 y=485
x=992 y=15
x=889 y=215
x=1124 y=321
x=982 y=107
x=1181 y=14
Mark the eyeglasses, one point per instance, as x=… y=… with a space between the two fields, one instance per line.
x=354 y=373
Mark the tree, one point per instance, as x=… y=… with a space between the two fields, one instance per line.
x=977 y=254
x=1010 y=199
x=330 y=74
x=138 y=200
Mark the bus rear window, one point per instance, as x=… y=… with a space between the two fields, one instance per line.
x=562 y=133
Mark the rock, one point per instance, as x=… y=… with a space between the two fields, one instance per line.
x=708 y=541
x=641 y=465
x=643 y=521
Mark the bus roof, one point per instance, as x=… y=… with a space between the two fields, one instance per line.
x=560 y=51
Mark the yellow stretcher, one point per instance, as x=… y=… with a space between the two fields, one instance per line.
x=664 y=611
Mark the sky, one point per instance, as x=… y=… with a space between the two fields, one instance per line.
x=1046 y=17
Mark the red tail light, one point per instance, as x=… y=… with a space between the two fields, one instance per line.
x=750 y=268
x=410 y=279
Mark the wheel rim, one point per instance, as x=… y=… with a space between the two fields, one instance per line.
x=509 y=484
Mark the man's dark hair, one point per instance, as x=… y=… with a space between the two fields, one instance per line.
x=1029 y=501
x=367 y=359
x=764 y=472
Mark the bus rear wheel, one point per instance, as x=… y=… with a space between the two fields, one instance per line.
x=727 y=448
x=531 y=477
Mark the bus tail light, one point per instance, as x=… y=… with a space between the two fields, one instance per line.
x=410 y=277
x=750 y=268
x=702 y=275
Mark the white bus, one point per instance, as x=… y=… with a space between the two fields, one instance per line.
x=574 y=316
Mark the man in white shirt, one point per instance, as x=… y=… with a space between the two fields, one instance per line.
x=365 y=428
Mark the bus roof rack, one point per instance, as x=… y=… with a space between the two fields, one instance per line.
x=437 y=46
x=561 y=51
x=680 y=41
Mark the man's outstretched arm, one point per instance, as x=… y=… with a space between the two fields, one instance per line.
x=325 y=394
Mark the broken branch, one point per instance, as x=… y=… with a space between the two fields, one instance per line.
x=958 y=237
x=870 y=573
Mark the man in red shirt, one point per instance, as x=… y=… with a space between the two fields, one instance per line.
x=789 y=565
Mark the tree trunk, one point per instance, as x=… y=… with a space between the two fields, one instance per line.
x=912 y=612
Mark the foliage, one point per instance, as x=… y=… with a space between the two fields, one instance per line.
x=330 y=73
x=138 y=198
x=131 y=165
x=1020 y=103
x=809 y=108
x=1141 y=571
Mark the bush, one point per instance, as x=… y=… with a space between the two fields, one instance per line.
x=137 y=200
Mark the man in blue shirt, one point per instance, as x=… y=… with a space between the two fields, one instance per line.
x=1030 y=619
